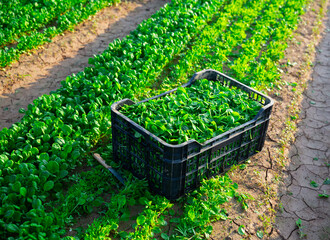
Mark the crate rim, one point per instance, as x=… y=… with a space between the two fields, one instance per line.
x=128 y=101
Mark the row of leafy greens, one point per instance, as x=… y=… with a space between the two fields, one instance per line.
x=25 y=25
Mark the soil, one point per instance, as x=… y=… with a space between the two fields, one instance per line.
x=43 y=70
x=310 y=158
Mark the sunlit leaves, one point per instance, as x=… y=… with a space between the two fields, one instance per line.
x=202 y=111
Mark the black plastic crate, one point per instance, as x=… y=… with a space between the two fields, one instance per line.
x=173 y=170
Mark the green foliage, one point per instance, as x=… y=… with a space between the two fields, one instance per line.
x=241 y=230
x=202 y=111
x=48 y=185
x=327 y=181
x=260 y=234
x=314 y=184
x=300 y=229
x=323 y=195
x=203 y=206
x=27 y=24
x=253 y=59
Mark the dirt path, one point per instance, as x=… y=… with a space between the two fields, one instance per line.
x=43 y=70
x=310 y=158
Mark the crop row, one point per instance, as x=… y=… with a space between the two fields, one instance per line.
x=192 y=220
x=270 y=32
x=238 y=55
x=217 y=41
x=59 y=129
x=266 y=67
x=187 y=226
x=19 y=18
x=26 y=25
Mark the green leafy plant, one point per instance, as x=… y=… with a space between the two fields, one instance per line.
x=203 y=206
x=326 y=181
x=314 y=184
x=260 y=234
x=323 y=195
x=300 y=229
x=241 y=230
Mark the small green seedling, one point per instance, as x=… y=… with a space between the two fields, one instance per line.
x=242 y=166
x=327 y=181
x=260 y=234
x=241 y=230
x=323 y=195
x=313 y=184
x=300 y=229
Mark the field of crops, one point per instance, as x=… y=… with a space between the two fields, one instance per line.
x=27 y=25
x=48 y=177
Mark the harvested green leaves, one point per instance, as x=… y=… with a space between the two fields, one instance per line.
x=202 y=111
